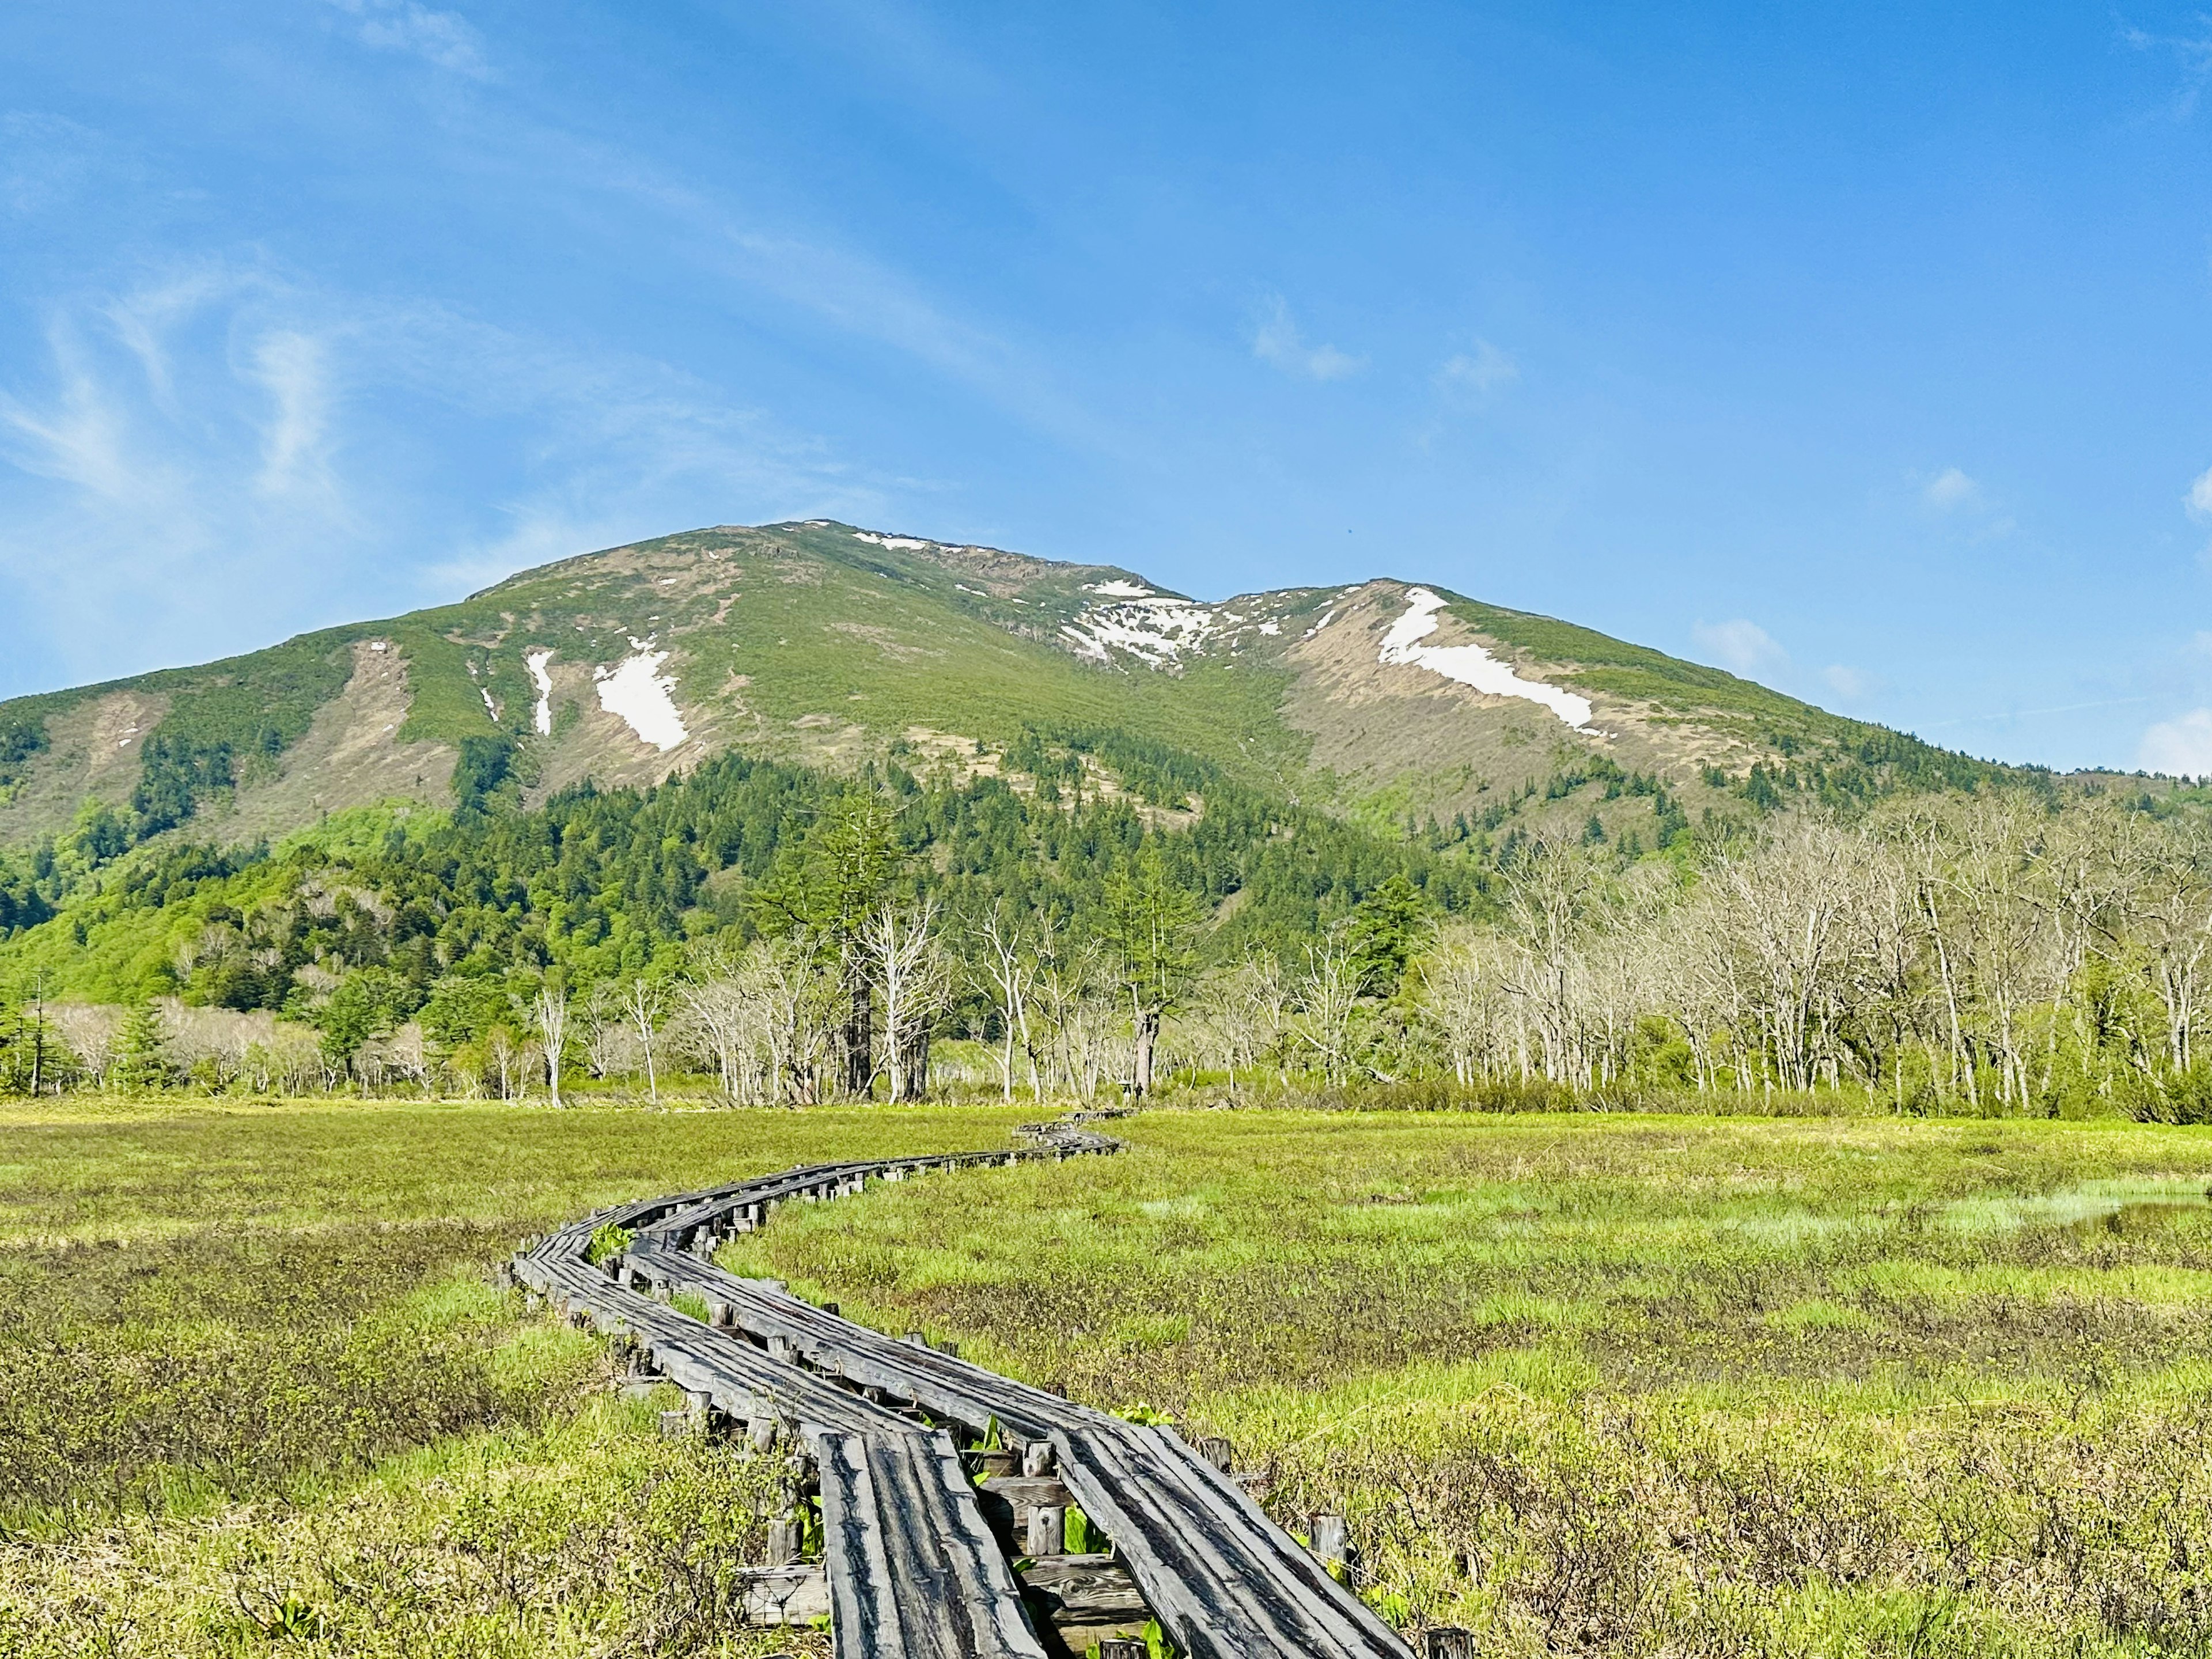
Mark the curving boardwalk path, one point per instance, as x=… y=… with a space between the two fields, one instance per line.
x=914 y=1565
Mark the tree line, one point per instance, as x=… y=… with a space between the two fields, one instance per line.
x=793 y=936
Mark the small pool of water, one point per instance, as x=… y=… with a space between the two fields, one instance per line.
x=2117 y=1205
x=2128 y=1215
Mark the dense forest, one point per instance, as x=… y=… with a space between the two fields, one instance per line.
x=451 y=937
x=1104 y=911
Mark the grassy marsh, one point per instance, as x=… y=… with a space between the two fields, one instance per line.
x=1617 y=1385
x=256 y=1382
x=1635 y=1385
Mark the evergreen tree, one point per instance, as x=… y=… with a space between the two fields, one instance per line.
x=141 y=1057
x=1151 y=926
x=1386 y=931
x=825 y=890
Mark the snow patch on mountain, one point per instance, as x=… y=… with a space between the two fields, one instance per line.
x=635 y=690
x=894 y=543
x=535 y=661
x=1470 y=665
x=1157 y=629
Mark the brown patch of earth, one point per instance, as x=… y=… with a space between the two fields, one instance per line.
x=351 y=757
x=1449 y=747
x=92 y=750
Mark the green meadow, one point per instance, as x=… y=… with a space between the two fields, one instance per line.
x=1585 y=1383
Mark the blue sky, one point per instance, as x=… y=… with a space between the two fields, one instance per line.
x=1863 y=349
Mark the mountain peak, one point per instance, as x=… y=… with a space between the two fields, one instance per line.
x=831 y=644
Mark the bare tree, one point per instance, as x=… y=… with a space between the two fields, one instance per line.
x=90 y=1031
x=549 y=1012
x=610 y=1045
x=1328 y=1003
x=719 y=1025
x=644 y=1005
x=1460 y=990
x=906 y=963
x=1007 y=973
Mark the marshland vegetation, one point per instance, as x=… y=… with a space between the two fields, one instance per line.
x=1617 y=1383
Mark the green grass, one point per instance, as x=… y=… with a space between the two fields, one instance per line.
x=255 y=1358
x=1591 y=1384
x=1679 y=1386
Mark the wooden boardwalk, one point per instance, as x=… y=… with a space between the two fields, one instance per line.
x=913 y=1565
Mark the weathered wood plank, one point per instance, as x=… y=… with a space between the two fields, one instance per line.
x=913 y=1568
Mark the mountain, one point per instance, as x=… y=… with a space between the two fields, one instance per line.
x=818 y=643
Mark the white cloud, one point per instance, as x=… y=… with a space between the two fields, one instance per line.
x=444 y=39
x=1276 y=340
x=292 y=367
x=2181 y=748
x=1846 y=681
x=1741 y=647
x=1950 y=489
x=47 y=159
x=1475 y=374
x=2199 y=498
x=2192 y=55
x=181 y=477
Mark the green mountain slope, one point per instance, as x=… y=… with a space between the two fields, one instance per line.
x=823 y=645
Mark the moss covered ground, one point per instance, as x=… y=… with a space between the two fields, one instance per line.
x=1617 y=1385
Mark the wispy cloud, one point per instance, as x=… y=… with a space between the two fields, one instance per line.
x=444 y=39
x=846 y=289
x=2029 y=714
x=1276 y=339
x=1471 y=376
x=294 y=369
x=2181 y=747
x=1846 y=681
x=227 y=455
x=2192 y=58
x=1741 y=647
x=2199 y=498
x=47 y=159
x=1954 y=494
x=1950 y=489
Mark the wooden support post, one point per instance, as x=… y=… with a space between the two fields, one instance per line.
x=1047 y=1533
x=782 y=1542
x=1122 y=1647
x=762 y=1433
x=1332 y=1542
x=779 y=1347
x=829 y=1307
x=1036 y=1459
x=1447 y=1641
x=1217 y=1451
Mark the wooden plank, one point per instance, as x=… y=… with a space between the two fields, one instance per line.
x=914 y=1569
